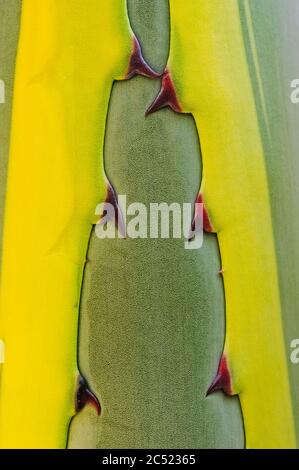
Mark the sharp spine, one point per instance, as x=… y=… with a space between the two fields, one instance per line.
x=222 y=381
x=84 y=396
x=166 y=96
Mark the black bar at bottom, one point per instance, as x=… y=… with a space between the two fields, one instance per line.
x=149 y=458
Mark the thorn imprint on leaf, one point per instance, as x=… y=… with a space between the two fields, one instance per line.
x=85 y=397
x=166 y=97
x=112 y=199
x=222 y=380
x=206 y=223
x=137 y=63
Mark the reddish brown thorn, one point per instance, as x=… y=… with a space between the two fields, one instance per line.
x=222 y=380
x=138 y=65
x=112 y=199
x=166 y=97
x=206 y=223
x=85 y=397
x=221 y=271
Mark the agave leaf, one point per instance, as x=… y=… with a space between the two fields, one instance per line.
x=68 y=56
x=212 y=81
x=152 y=313
x=271 y=37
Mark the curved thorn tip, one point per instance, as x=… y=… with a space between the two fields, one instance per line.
x=112 y=199
x=206 y=222
x=166 y=97
x=84 y=396
x=222 y=380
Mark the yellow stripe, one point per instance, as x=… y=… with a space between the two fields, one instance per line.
x=69 y=53
x=208 y=64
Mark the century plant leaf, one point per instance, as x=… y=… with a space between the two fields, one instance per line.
x=68 y=57
x=136 y=338
x=272 y=54
x=152 y=313
x=212 y=81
